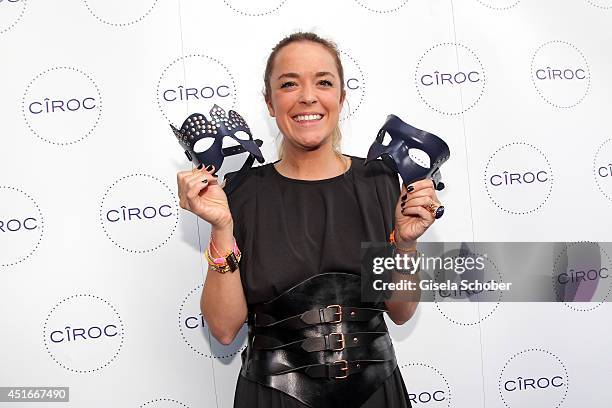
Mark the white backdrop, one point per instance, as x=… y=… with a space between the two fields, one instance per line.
x=101 y=273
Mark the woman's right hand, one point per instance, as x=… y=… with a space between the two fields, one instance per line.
x=200 y=193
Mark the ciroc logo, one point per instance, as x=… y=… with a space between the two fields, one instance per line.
x=62 y=105
x=518 y=178
x=21 y=226
x=83 y=333
x=11 y=12
x=582 y=276
x=354 y=85
x=138 y=213
x=602 y=168
x=450 y=78
x=252 y=8
x=194 y=330
x=129 y=12
x=468 y=307
x=499 y=4
x=194 y=83
x=560 y=74
x=163 y=403
x=382 y=6
x=533 y=378
x=426 y=385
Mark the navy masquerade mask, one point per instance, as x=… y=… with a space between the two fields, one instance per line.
x=197 y=127
x=403 y=138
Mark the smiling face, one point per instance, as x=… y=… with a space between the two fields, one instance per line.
x=306 y=94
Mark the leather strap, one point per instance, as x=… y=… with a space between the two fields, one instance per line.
x=339 y=369
x=329 y=314
x=332 y=342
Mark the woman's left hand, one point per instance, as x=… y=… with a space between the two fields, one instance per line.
x=412 y=217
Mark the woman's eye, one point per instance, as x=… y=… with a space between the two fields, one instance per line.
x=287 y=84
x=326 y=82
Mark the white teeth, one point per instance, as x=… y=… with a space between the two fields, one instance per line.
x=301 y=118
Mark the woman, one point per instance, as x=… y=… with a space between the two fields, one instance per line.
x=298 y=224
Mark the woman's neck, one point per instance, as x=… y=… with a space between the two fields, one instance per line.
x=319 y=164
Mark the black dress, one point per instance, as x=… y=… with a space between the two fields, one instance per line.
x=289 y=230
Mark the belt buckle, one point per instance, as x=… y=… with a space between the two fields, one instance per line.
x=344 y=368
x=338 y=313
x=340 y=340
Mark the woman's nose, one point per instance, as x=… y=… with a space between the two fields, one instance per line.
x=308 y=95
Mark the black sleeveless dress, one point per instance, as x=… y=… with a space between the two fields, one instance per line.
x=289 y=230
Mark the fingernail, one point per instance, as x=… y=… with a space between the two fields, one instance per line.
x=403 y=204
x=200 y=166
x=209 y=167
x=410 y=189
x=205 y=181
x=404 y=197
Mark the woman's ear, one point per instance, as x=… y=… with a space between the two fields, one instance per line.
x=270 y=107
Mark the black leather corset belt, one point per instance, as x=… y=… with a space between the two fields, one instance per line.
x=319 y=343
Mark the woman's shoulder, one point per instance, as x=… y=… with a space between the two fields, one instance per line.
x=251 y=179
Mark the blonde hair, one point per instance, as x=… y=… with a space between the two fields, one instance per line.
x=333 y=49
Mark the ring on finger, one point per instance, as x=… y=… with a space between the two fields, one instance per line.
x=437 y=210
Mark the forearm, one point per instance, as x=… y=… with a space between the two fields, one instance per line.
x=402 y=306
x=223 y=303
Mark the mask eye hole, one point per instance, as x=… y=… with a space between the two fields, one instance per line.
x=420 y=157
x=242 y=135
x=203 y=144
x=386 y=140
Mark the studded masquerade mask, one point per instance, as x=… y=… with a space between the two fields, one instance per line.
x=212 y=132
x=395 y=154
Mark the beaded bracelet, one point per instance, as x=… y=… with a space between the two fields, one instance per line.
x=227 y=263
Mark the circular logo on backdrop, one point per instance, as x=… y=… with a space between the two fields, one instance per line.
x=62 y=105
x=83 y=333
x=163 y=403
x=120 y=13
x=139 y=213
x=11 y=12
x=354 y=85
x=602 y=168
x=21 y=226
x=426 y=386
x=449 y=78
x=251 y=8
x=582 y=276
x=499 y=4
x=602 y=4
x=382 y=6
x=467 y=307
x=533 y=378
x=194 y=83
x=560 y=74
x=518 y=178
x=194 y=330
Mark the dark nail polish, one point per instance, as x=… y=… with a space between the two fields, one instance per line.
x=404 y=197
x=209 y=167
x=205 y=181
x=410 y=189
x=403 y=204
x=200 y=166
